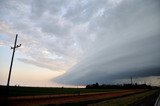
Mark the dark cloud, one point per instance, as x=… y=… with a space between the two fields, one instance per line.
x=104 y=77
x=103 y=39
x=127 y=44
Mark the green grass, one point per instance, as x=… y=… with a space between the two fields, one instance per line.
x=27 y=91
x=146 y=98
x=132 y=100
x=120 y=101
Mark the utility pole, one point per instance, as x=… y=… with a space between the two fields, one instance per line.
x=131 y=80
x=14 y=48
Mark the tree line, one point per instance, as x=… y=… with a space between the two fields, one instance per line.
x=118 y=86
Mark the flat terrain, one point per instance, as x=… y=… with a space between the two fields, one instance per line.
x=28 y=96
x=141 y=99
x=33 y=91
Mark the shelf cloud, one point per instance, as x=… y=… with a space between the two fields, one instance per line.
x=88 y=40
x=126 y=44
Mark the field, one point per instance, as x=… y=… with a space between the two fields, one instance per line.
x=28 y=96
x=143 y=99
x=33 y=91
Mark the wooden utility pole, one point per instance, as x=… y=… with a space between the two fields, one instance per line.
x=14 y=48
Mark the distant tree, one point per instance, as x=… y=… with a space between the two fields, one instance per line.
x=118 y=86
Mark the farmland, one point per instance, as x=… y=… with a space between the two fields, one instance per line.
x=21 y=96
x=143 y=99
x=28 y=91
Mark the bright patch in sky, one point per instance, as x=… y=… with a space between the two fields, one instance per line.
x=80 y=41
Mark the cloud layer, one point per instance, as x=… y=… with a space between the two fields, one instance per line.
x=92 y=41
x=127 y=44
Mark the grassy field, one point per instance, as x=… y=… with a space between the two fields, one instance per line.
x=147 y=98
x=142 y=99
x=127 y=97
x=28 y=91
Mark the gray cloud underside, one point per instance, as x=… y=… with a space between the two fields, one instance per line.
x=103 y=39
x=128 y=45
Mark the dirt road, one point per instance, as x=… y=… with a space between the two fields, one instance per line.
x=63 y=99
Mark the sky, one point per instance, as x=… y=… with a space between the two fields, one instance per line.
x=78 y=42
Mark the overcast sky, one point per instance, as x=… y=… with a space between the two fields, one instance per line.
x=80 y=41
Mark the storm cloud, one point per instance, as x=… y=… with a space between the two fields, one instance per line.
x=127 y=44
x=91 y=41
